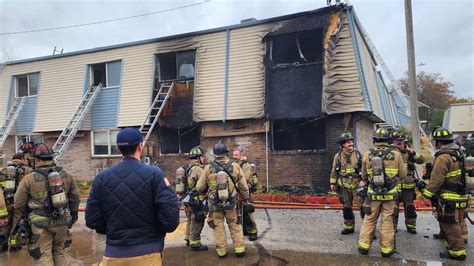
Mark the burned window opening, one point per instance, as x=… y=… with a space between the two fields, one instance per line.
x=176 y=66
x=98 y=75
x=299 y=134
x=297 y=48
x=179 y=140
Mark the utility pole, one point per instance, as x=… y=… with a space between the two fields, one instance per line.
x=415 y=124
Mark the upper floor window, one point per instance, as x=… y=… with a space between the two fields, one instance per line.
x=106 y=73
x=26 y=85
x=177 y=66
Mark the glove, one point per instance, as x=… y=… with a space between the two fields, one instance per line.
x=74 y=218
x=13 y=245
x=420 y=184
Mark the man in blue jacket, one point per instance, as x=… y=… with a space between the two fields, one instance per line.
x=133 y=205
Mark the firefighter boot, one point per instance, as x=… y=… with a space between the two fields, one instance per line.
x=199 y=248
x=446 y=255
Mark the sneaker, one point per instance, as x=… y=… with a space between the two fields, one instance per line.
x=199 y=248
x=363 y=251
x=240 y=255
x=411 y=231
x=446 y=255
x=253 y=237
x=347 y=231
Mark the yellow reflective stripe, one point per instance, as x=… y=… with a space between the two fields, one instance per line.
x=349 y=226
x=407 y=185
x=390 y=192
x=391 y=170
x=428 y=193
x=457 y=253
x=221 y=252
x=332 y=180
x=37 y=218
x=239 y=249
x=347 y=171
x=454 y=173
x=2 y=183
x=350 y=186
x=417 y=156
x=386 y=250
x=3 y=212
x=453 y=196
x=195 y=242
x=363 y=245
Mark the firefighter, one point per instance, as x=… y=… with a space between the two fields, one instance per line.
x=248 y=219
x=447 y=190
x=194 y=207
x=27 y=148
x=345 y=178
x=382 y=169
x=408 y=194
x=50 y=199
x=10 y=178
x=223 y=180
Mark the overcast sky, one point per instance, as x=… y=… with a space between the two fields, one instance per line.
x=444 y=35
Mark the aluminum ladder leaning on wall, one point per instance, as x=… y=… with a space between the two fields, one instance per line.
x=69 y=132
x=10 y=120
x=156 y=109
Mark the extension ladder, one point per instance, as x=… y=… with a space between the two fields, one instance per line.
x=69 y=132
x=156 y=109
x=10 y=119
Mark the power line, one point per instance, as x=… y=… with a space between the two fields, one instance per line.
x=105 y=21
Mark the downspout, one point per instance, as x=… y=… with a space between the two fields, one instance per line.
x=226 y=79
x=355 y=44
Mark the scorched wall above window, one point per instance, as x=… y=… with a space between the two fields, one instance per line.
x=294 y=74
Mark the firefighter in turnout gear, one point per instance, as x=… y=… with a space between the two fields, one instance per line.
x=382 y=170
x=27 y=148
x=447 y=189
x=345 y=178
x=223 y=180
x=10 y=178
x=50 y=199
x=194 y=202
x=408 y=195
x=248 y=219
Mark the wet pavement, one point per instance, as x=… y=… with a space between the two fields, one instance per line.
x=286 y=237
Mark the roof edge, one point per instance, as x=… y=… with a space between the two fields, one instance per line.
x=177 y=36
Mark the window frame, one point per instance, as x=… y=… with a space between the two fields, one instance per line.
x=295 y=150
x=109 y=146
x=180 y=142
x=158 y=66
x=91 y=74
x=28 y=139
x=27 y=75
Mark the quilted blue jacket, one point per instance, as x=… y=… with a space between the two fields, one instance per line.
x=131 y=204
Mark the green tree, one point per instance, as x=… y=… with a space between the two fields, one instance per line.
x=436 y=119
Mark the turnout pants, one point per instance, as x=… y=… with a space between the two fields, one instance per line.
x=373 y=210
x=346 y=198
x=407 y=197
x=153 y=259
x=453 y=232
x=47 y=245
x=216 y=221
x=193 y=228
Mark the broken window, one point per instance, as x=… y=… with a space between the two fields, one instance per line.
x=179 y=140
x=299 y=134
x=104 y=142
x=297 y=48
x=177 y=66
x=21 y=139
x=106 y=73
x=27 y=85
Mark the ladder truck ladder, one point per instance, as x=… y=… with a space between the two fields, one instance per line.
x=69 y=132
x=156 y=109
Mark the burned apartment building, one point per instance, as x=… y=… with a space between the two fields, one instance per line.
x=281 y=89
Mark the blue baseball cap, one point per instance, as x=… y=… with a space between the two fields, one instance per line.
x=129 y=137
